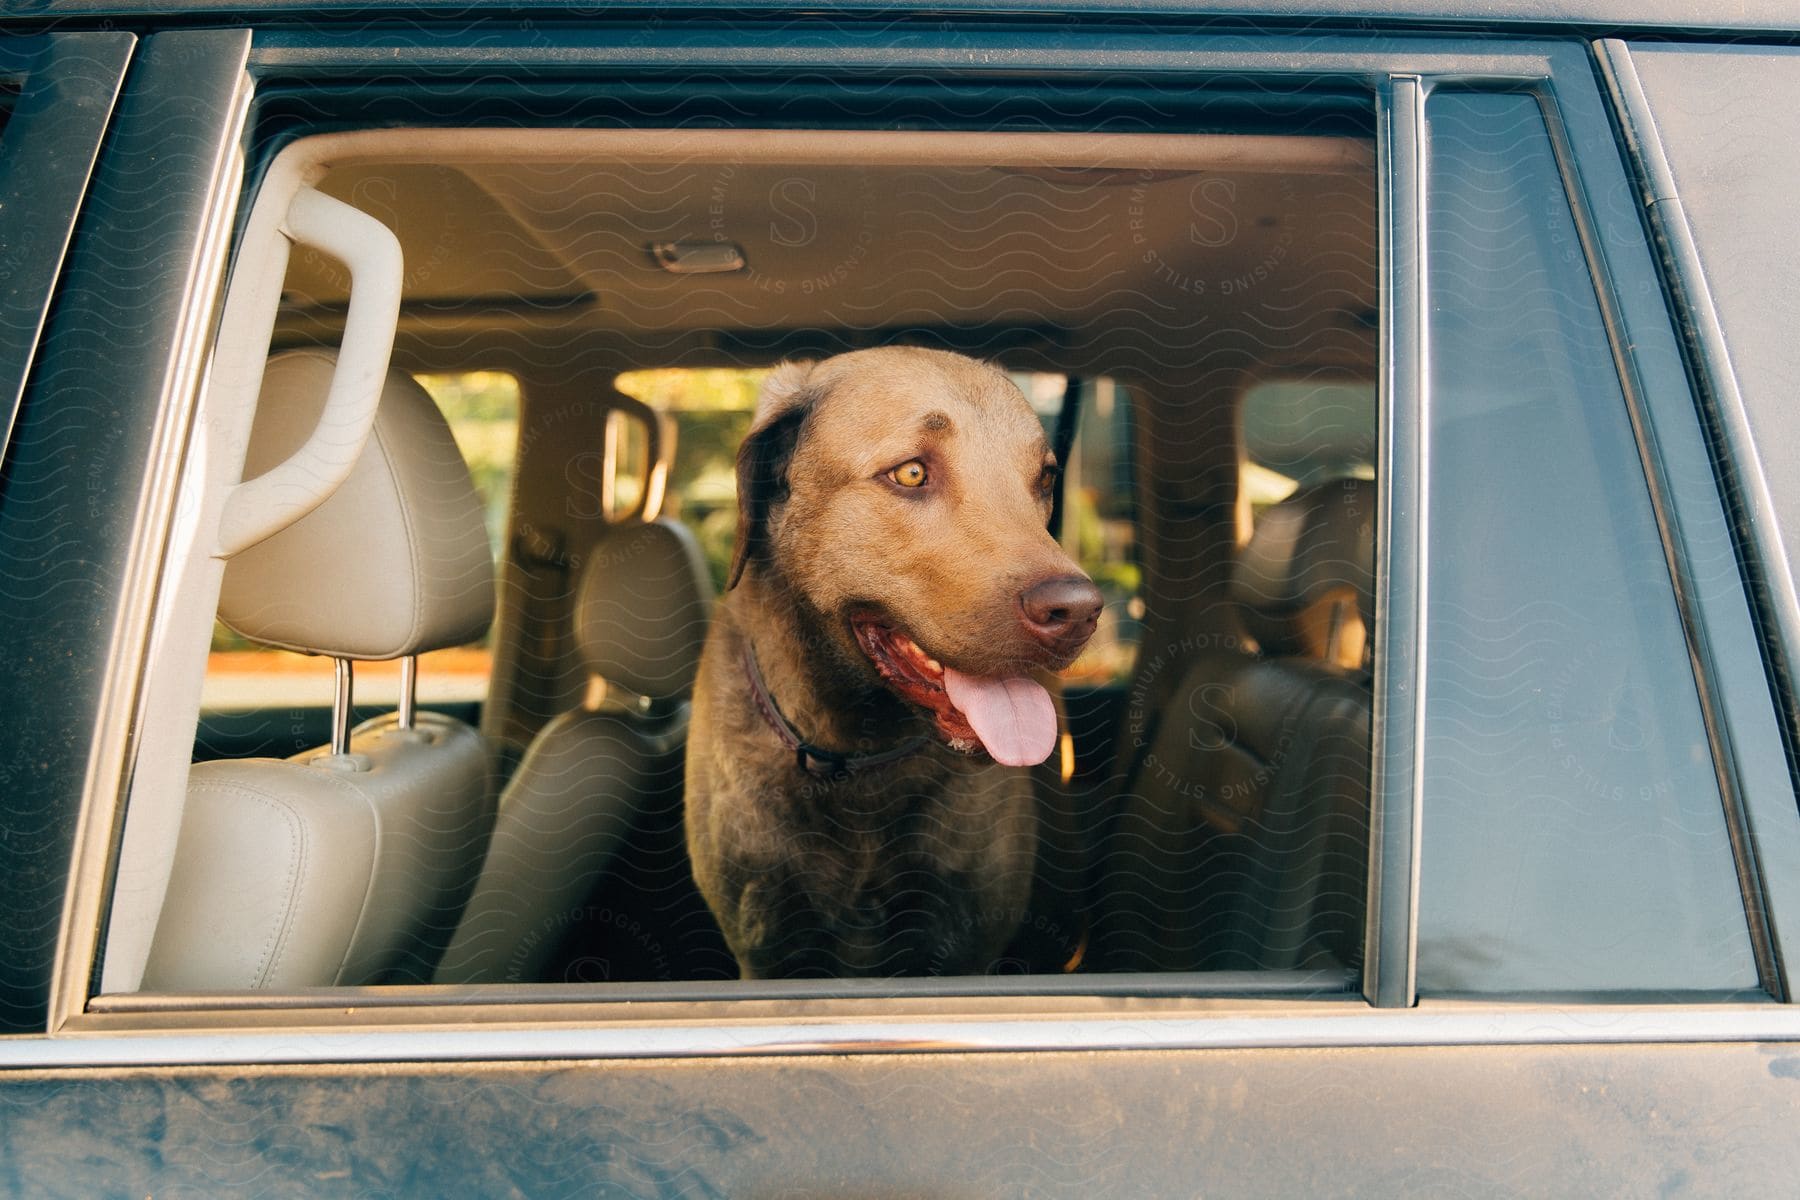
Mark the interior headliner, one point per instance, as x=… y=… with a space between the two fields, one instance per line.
x=1262 y=244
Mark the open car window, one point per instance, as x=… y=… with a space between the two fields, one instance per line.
x=658 y=442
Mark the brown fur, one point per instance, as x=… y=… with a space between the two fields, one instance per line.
x=919 y=867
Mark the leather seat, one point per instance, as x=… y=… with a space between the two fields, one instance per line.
x=342 y=868
x=1241 y=840
x=590 y=776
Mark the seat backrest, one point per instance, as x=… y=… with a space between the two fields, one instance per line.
x=591 y=774
x=342 y=869
x=1241 y=842
x=1305 y=582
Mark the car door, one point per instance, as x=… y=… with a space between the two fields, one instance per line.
x=1520 y=1021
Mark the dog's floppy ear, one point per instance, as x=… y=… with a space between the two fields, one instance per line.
x=763 y=457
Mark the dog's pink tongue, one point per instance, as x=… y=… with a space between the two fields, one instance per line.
x=1013 y=717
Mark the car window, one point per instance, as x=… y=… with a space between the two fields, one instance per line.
x=710 y=409
x=1099 y=516
x=483 y=410
x=1299 y=432
x=1573 y=832
x=1155 y=296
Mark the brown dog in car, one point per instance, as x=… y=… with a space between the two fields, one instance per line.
x=866 y=703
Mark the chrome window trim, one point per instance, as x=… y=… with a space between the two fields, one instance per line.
x=1391 y=927
x=1151 y=992
x=1746 y=17
x=1431 y=1023
x=1104 y=53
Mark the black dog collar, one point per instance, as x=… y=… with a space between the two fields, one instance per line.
x=815 y=761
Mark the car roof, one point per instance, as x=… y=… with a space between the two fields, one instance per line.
x=1778 y=17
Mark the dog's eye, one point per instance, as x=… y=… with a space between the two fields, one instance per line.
x=1047 y=481
x=909 y=474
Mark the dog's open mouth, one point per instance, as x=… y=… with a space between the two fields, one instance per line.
x=1011 y=717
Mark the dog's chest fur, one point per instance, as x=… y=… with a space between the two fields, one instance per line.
x=918 y=867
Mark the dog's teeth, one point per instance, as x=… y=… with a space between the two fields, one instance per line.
x=934 y=664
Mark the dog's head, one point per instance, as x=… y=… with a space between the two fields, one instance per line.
x=903 y=495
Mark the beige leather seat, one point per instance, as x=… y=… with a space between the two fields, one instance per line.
x=589 y=776
x=1241 y=841
x=342 y=868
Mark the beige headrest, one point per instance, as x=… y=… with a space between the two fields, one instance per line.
x=642 y=607
x=1317 y=542
x=395 y=562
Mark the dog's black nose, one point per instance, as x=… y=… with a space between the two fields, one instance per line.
x=1061 y=612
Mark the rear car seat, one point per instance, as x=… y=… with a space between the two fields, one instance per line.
x=342 y=868
x=1241 y=840
x=592 y=774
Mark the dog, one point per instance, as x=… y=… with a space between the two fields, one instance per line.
x=872 y=685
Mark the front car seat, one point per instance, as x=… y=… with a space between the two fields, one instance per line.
x=347 y=864
x=591 y=775
x=1241 y=843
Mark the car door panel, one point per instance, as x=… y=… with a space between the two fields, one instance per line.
x=1438 y=1120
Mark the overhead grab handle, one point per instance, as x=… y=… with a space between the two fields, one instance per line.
x=259 y=508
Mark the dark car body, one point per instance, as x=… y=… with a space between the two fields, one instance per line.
x=135 y=137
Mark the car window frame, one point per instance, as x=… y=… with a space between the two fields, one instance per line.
x=1397 y=73
x=1737 y=698
x=1564 y=867
x=105 y=394
x=68 y=86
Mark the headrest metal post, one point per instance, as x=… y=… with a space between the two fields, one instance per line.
x=340 y=707
x=1334 y=633
x=409 y=690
